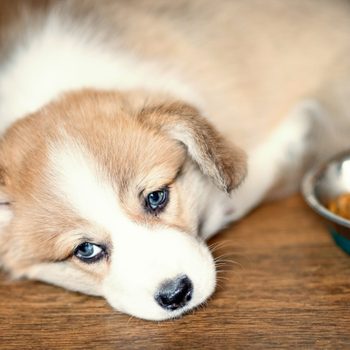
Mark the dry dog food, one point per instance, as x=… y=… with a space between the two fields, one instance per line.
x=341 y=205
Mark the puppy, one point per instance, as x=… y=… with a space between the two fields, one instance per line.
x=134 y=131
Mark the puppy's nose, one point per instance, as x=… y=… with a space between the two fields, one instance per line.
x=175 y=293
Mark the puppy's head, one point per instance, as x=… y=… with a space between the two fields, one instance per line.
x=102 y=194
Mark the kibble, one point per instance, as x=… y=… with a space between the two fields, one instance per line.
x=341 y=205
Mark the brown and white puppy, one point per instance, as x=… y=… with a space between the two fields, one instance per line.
x=120 y=122
x=106 y=201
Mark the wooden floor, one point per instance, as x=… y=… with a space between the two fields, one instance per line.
x=284 y=285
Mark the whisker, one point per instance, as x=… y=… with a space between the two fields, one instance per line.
x=219 y=271
x=225 y=255
x=222 y=279
x=129 y=320
x=217 y=245
x=220 y=261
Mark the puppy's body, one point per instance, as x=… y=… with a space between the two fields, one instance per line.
x=272 y=78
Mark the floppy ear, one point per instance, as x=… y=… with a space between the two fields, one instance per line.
x=223 y=162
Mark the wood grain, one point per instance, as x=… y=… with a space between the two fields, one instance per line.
x=288 y=287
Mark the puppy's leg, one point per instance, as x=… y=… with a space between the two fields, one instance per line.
x=276 y=167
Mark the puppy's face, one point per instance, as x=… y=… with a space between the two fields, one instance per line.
x=102 y=195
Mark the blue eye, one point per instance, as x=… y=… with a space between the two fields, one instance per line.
x=157 y=200
x=89 y=252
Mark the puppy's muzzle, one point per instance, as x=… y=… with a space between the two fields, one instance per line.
x=174 y=294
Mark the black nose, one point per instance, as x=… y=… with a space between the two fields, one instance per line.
x=175 y=293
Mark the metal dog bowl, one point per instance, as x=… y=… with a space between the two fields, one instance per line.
x=324 y=183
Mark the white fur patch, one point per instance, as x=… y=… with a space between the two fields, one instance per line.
x=79 y=182
x=5 y=215
x=142 y=258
